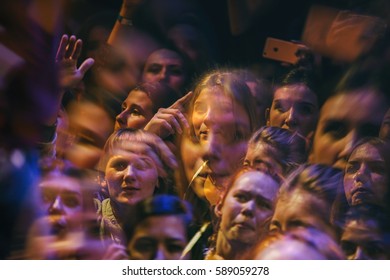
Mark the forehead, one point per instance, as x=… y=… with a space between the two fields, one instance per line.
x=261 y=149
x=133 y=148
x=364 y=106
x=165 y=226
x=365 y=152
x=138 y=96
x=61 y=183
x=164 y=55
x=297 y=92
x=256 y=183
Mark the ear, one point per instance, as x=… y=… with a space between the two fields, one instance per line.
x=267 y=116
x=218 y=210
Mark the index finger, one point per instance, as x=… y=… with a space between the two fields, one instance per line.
x=62 y=47
x=180 y=103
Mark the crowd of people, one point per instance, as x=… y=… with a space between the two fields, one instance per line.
x=153 y=131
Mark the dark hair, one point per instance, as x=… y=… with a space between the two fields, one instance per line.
x=158 y=205
x=289 y=147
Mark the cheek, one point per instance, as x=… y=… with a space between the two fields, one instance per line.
x=136 y=122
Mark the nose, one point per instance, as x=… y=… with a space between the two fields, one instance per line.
x=121 y=119
x=163 y=75
x=360 y=255
x=57 y=207
x=361 y=174
x=291 y=120
x=348 y=143
x=249 y=208
x=130 y=174
x=161 y=253
x=211 y=149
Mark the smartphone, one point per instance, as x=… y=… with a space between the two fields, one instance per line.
x=281 y=50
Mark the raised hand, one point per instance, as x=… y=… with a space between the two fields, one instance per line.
x=169 y=121
x=68 y=53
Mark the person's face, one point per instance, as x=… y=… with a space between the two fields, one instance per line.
x=365 y=178
x=165 y=66
x=295 y=108
x=344 y=120
x=158 y=238
x=263 y=157
x=384 y=132
x=247 y=206
x=222 y=127
x=137 y=110
x=301 y=209
x=361 y=240
x=89 y=128
x=131 y=174
x=61 y=195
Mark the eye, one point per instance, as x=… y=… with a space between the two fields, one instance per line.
x=119 y=165
x=378 y=168
x=154 y=69
x=336 y=129
x=305 y=109
x=278 y=106
x=352 y=168
x=47 y=196
x=175 y=247
x=246 y=163
x=71 y=200
x=123 y=107
x=241 y=197
x=262 y=204
x=200 y=108
x=176 y=71
x=136 y=113
x=145 y=246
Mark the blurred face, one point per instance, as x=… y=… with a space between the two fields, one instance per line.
x=365 y=178
x=344 y=120
x=295 y=108
x=61 y=199
x=61 y=195
x=289 y=249
x=247 y=206
x=137 y=110
x=362 y=240
x=89 y=128
x=263 y=157
x=158 y=238
x=301 y=209
x=222 y=127
x=131 y=174
x=384 y=132
x=165 y=66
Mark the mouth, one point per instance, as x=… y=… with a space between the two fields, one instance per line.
x=244 y=226
x=360 y=194
x=130 y=189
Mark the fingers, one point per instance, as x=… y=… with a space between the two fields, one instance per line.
x=70 y=46
x=180 y=103
x=77 y=49
x=86 y=65
x=174 y=118
x=62 y=47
